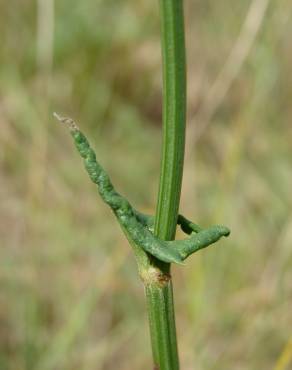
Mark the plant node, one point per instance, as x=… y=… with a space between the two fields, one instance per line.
x=138 y=227
x=154 y=276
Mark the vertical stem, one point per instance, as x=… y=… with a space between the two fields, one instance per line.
x=162 y=324
x=159 y=293
x=174 y=116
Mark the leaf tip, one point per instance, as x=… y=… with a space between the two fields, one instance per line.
x=67 y=121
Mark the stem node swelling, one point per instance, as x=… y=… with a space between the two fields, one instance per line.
x=152 y=238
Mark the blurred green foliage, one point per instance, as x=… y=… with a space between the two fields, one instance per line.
x=70 y=297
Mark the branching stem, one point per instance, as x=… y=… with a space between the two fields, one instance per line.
x=152 y=238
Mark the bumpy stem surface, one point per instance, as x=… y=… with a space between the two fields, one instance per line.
x=153 y=239
x=153 y=254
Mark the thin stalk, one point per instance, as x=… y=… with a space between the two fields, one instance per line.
x=159 y=292
x=174 y=116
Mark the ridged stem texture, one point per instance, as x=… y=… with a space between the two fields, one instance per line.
x=159 y=292
x=152 y=238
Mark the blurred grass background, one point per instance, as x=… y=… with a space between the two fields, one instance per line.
x=70 y=297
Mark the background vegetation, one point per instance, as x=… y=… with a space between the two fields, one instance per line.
x=70 y=297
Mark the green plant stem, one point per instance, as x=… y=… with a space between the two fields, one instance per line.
x=162 y=325
x=159 y=291
x=174 y=116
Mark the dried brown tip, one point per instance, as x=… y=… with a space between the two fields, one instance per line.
x=67 y=121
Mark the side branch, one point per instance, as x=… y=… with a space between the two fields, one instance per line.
x=139 y=228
